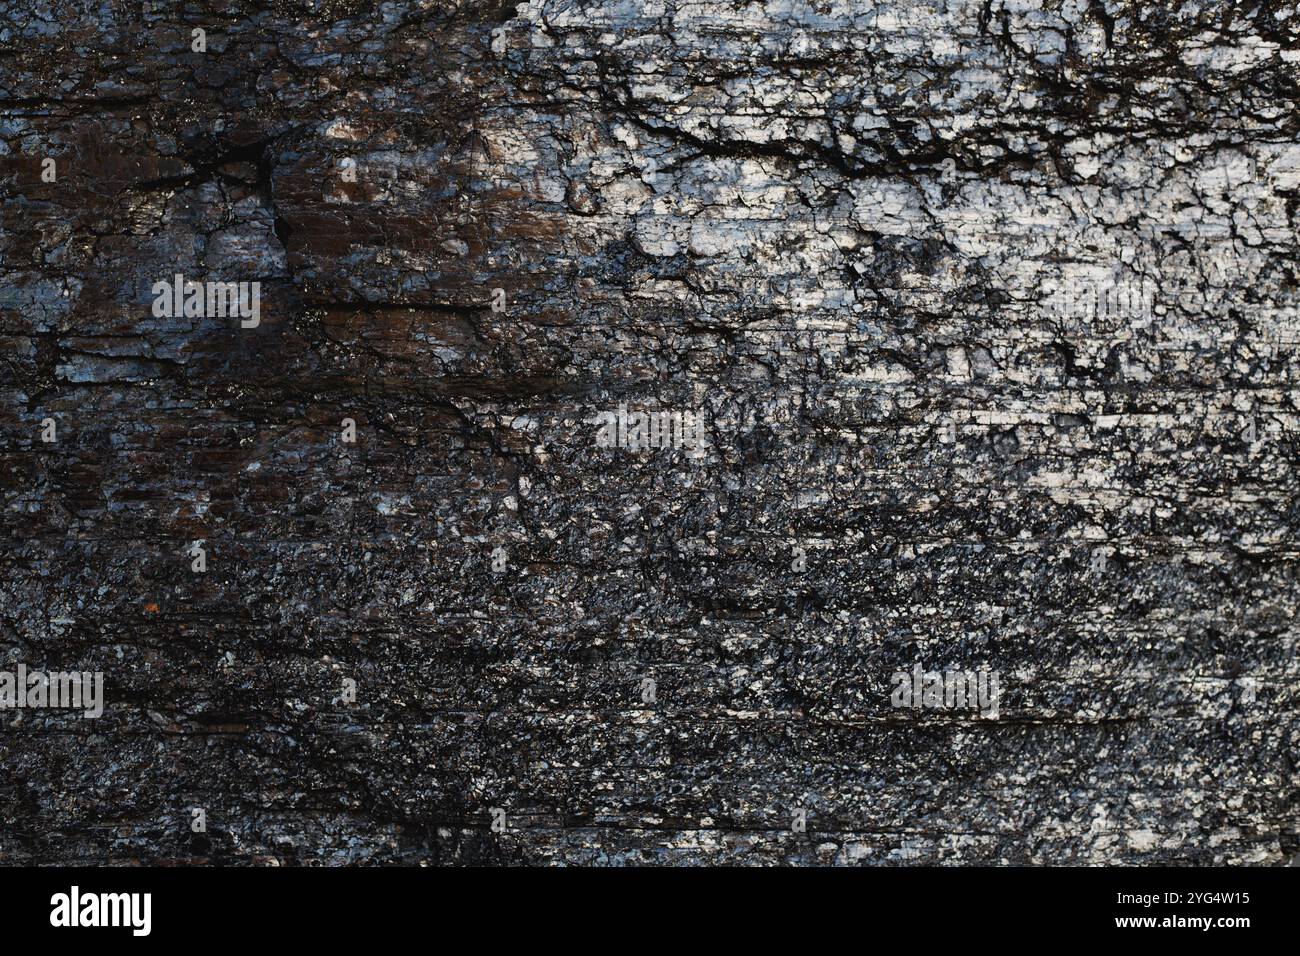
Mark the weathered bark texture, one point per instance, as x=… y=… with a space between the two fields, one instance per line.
x=863 y=240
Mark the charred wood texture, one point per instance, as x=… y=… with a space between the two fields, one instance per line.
x=987 y=312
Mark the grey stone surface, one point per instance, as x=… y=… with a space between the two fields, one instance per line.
x=988 y=310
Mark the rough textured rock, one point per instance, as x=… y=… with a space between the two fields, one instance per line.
x=870 y=243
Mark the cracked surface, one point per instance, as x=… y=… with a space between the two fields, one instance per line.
x=859 y=237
